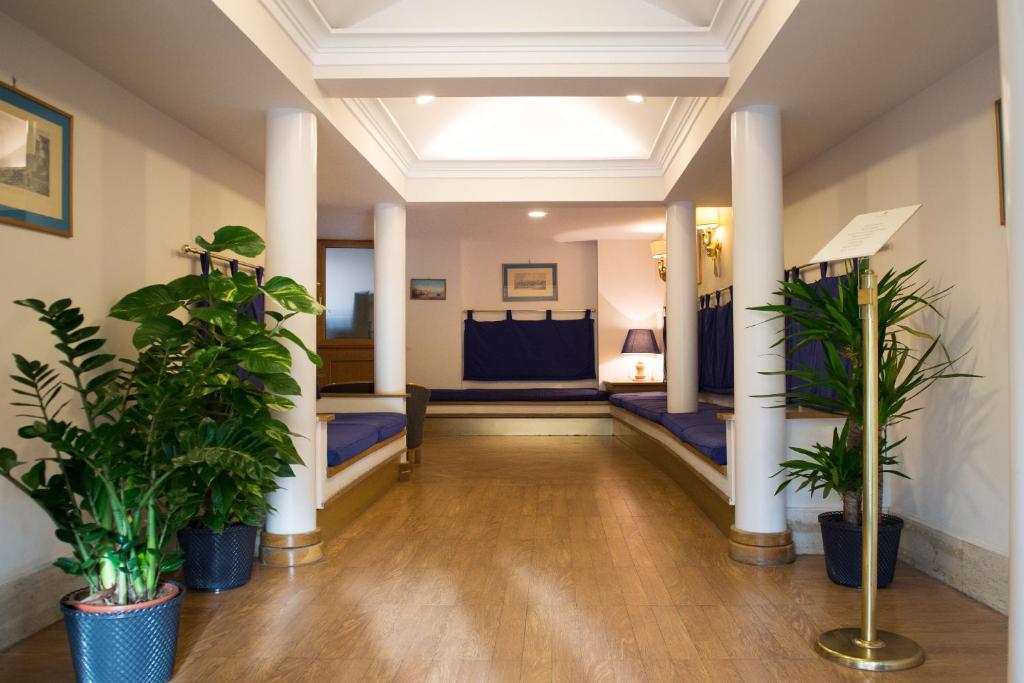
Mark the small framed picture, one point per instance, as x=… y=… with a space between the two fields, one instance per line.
x=529 y=282
x=999 y=162
x=35 y=163
x=428 y=289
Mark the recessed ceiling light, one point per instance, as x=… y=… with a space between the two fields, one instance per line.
x=537 y=213
x=635 y=98
x=424 y=99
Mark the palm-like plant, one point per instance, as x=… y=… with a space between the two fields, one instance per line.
x=834 y=322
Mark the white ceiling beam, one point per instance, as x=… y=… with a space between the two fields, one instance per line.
x=701 y=80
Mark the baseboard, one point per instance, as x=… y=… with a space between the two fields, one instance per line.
x=30 y=603
x=518 y=426
x=803 y=522
x=975 y=571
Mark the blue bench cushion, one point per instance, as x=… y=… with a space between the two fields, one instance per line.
x=349 y=434
x=497 y=395
x=702 y=429
x=650 y=405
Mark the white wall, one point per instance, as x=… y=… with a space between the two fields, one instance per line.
x=937 y=149
x=434 y=328
x=630 y=295
x=143 y=186
x=473 y=270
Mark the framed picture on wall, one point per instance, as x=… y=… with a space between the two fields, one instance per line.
x=35 y=163
x=529 y=282
x=999 y=162
x=428 y=289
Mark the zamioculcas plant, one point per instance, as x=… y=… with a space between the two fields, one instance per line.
x=183 y=431
x=834 y=322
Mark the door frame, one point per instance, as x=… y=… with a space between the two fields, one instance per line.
x=321 y=296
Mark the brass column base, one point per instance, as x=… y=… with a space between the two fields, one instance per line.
x=766 y=550
x=890 y=652
x=291 y=550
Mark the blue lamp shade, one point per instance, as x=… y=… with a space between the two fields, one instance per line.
x=640 y=341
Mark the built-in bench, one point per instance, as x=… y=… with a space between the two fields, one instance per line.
x=563 y=411
x=351 y=436
x=359 y=446
x=700 y=431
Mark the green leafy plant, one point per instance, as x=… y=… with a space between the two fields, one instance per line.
x=231 y=373
x=194 y=408
x=903 y=374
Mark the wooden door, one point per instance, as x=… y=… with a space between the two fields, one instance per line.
x=344 y=334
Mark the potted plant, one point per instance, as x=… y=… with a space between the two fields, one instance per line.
x=234 y=371
x=101 y=484
x=146 y=426
x=815 y=315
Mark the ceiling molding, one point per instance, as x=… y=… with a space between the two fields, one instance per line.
x=327 y=46
x=378 y=121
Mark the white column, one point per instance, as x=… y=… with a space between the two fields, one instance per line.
x=389 y=292
x=681 y=305
x=1011 y=54
x=291 y=251
x=760 y=533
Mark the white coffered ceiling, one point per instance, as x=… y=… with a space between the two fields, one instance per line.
x=530 y=109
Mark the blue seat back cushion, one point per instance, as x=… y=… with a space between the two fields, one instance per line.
x=352 y=433
x=537 y=394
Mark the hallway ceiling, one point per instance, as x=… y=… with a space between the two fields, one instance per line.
x=530 y=107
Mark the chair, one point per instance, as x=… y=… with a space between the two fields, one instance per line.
x=415 y=410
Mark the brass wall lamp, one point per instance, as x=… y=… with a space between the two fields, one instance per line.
x=708 y=223
x=659 y=249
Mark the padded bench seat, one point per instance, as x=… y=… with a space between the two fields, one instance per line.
x=513 y=395
x=702 y=430
x=350 y=434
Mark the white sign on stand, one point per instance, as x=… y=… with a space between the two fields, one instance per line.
x=865 y=235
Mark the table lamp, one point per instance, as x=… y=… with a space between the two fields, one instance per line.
x=640 y=342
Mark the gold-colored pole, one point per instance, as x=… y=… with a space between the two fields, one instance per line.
x=869 y=526
x=868 y=648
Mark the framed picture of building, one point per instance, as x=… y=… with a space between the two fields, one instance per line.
x=35 y=163
x=999 y=162
x=529 y=282
x=428 y=289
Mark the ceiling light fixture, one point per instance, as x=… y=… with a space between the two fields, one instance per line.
x=537 y=213
x=424 y=99
x=636 y=99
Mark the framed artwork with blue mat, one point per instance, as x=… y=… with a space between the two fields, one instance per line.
x=529 y=282
x=35 y=163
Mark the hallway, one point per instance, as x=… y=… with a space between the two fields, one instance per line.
x=543 y=559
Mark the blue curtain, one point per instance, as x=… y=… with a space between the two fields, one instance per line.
x=715 y=344
x=528 y=350
x=811 y=356
x=258 y=306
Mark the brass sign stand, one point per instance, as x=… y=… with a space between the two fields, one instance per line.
x=867 y=647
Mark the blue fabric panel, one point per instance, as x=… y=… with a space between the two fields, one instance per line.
x=715 y=346
x=352 y=433
x=528 y=350
x=811 y=356
x=538 y=394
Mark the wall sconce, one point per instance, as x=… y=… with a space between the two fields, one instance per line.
x=708 y=223
x=659 y=249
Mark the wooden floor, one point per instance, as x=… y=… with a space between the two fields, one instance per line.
x=544 y=559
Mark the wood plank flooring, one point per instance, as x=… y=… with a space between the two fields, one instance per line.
x=544 y=559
